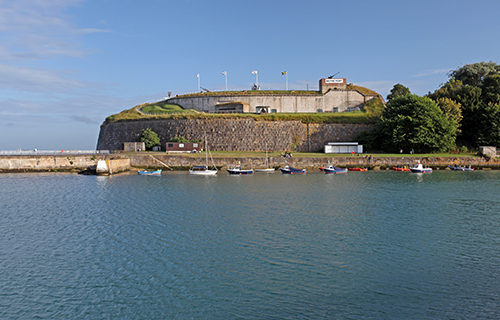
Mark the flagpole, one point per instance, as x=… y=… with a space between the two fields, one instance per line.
x=198 y=83
x=257 y=79
x=286 y=74
x=225 y=76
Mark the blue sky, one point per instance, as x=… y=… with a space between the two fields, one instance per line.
x=65 y=65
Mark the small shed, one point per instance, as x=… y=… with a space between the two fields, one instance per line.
x=343 y=147
x=488 y=151
x=183 y=147
x=133 y=146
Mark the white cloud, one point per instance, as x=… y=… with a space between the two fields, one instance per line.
x=37 y=80
x=431 y=72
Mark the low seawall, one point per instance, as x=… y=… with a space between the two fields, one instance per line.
x=119 y=163
x=315 y=162
x=61 y=163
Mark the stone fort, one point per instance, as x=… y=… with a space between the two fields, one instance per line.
x=334 y=95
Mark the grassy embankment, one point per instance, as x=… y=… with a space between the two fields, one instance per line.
x=162 y=110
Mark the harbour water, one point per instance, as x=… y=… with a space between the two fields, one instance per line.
x=366 y=245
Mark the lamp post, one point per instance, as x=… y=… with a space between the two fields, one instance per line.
x=225 y=76
x=256 y=78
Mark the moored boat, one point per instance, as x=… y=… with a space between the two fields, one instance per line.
x=458 y=168
x=150 y=173
x=358 y=169
x=267 y=169
x=204 y=170
x=331 y=169
x=238 y=170
x=401 y=168
x=290 y=170
x=419 y=168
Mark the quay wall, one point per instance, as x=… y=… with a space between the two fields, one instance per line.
x=233 y=134
x=315 y=162
x=60 y=163
x=46 y=163
x=118 y=163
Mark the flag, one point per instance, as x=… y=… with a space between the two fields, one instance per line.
x=254 y=72
x=224 y=72
x=283 y=73
x=197 y=76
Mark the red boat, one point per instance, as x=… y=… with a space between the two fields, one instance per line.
x=401 y=169
x=358 y=169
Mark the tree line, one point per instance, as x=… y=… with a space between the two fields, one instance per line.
x=463 y=112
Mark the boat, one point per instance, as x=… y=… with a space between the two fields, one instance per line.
x=238 y=170
x=358 y=169
x=398 y=168
x=290 y=170
x=267 y=169
x=331 y=169
x=204 y=170
x=419 y=168
x=150 y=173
x=457 y=168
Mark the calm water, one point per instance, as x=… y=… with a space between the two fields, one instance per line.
x=366 y=245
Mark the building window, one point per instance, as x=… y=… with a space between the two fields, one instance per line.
x=273 y=110
x=335 y=110
x=170 y=145
x=181 y=145
x=319 y=110
x=195 y=145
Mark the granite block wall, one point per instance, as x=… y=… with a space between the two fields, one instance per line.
x=233 y=134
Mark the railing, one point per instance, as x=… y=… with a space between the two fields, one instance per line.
x=52 y=152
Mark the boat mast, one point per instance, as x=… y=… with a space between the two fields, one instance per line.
x=267 y=162
x=206 y=151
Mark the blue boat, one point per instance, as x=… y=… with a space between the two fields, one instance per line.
x=237 y=170
x=289 y=170
x=150 y=173
x=331 y=169
x=457 y=168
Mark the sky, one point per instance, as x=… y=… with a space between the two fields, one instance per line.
x=65 y=65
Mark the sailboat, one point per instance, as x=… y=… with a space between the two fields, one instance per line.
x=203 y=170
x=267 y=169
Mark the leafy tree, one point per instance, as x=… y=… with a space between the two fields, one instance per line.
x=414 y=122
x=180 y=139
x=398 y=90
x=474 y=74
x=150 y=138
x=451 y=108
x=491 y=89
x=446 y=91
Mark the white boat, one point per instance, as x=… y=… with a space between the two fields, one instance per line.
x=419 y=168
x=204 y=170
x=267 y=169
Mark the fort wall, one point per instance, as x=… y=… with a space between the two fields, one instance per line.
x=233 y=134
x=332 y=101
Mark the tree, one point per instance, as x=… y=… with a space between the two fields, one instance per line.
x=398 y=90
x=414 y=122
x=452 y=109
x=474 y=74
x=491 y=89
x=150 y=138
